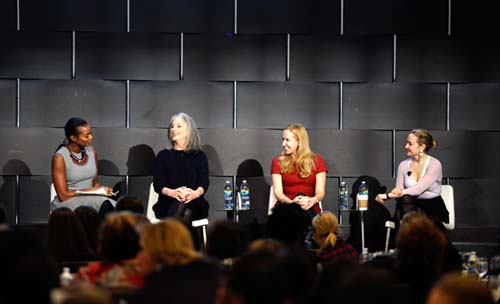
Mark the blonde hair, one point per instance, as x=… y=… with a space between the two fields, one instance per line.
x=169 y=243
x=304 y=161
x=326 y=225
x=424 y=137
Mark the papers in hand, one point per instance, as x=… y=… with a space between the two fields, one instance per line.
x=100 y=191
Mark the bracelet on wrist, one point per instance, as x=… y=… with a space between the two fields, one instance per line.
x=387 y=195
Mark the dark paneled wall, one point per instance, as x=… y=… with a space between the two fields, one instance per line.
x=357 y=75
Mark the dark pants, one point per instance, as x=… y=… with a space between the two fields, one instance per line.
x=434 y=208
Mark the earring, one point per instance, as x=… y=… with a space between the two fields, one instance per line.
x=420 y=154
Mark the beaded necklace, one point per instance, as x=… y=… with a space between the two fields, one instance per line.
x=78 y=161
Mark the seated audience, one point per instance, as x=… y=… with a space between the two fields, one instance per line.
x=28 y=272
x=420 y=248
x=67 y=238
x=175 y=272
x=90 y=220
x=118 y=246
x=289 y=223
x=326 y=230
x=129 y=203
x=224 y=242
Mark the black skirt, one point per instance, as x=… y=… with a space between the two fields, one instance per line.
x=434 y=208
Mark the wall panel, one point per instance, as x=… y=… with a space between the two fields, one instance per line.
x=474 y=106
x=287 y=16
x=277 y=104
x=7 y=103
x=8 y=15
x=341 y=58
x=209 y=103
x=188 y=16
x=50 y=103
x=235 y=57
x=137 y=56
x=475 y=18
x=68 y=15
x=35 y=55
x=394 y=106
x=395 y=17
x=448 y=59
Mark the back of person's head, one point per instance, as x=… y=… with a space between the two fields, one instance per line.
x=168 y=243
x=289 y=223
x=326 y=225
x=271 y=245
x=365 y=285
x=90 y=220
x=457 y=289
x=67 y=237
x=259 y=277
x=118 y=237
x=334 y=271
x=224 y=240
x=129 y=203
x=88 y=295
x=26 y=266
x=420 y=244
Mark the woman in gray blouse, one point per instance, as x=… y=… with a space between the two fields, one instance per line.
x=74 y=170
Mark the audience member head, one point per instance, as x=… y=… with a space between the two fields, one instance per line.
x=28 y=272
x=297 y=154
x=271 y=245
x=365 y=285
x=88 y=295
x=167 y=243
x=420 y=244
x=424 y=137
x=259 y=277
x=193 y=138
x=90 y=220
x=457 y=289
x=118 y=237
x=326 y=229
x=67 y=238
x=129 y=203
x=334 y=271
x=289 y=223
x=224 y=240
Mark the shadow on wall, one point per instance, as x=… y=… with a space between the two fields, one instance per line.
x=251 y=170
x=214 y=162
x=33 y=198
x=108 y=168
x=141 y=160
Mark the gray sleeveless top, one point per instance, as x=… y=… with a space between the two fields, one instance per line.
x=79 y=178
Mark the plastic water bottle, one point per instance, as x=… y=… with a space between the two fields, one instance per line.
x=66 y=277
x=363 y=196
x=228 y=196
x=245 y=195
x=343 y=197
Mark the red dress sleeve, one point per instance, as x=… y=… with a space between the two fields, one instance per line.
x=320 y=164
x=275 y=166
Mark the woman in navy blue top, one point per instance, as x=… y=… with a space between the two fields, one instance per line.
x=181 y=173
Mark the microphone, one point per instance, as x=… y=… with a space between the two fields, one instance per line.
x=409 y=173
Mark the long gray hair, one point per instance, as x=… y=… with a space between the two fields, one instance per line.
x=193 y=140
